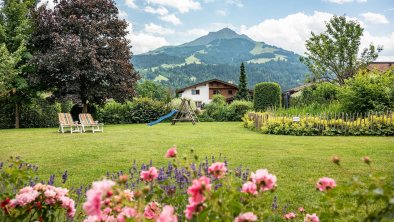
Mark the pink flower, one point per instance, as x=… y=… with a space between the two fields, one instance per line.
x=218 y=170
x=171 y=153
x=249 y=187
x=103 y=186
x=92 y=206
x=25 y=196
x=149 y=175
x=152 y=210
x=127 y=212
x=246 y=217
x=264 y=180
x=128 y=194
x=325 y=183
x=311 y=218
x=68 y=204
x=289 y=216
x=197 y=189
x=301 y=209
x=167 y=215
x=191 y=208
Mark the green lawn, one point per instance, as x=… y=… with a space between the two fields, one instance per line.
x=297 y=161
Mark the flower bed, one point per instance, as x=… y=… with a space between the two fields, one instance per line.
x=327 y=124
x=188 y=191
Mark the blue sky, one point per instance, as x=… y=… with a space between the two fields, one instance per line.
x=283 y=23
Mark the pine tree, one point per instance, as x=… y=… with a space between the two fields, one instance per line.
x=243 y=92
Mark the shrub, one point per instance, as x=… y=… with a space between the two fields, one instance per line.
x=267 y=94
x=368 y=91
x=237 y=109
x=145 y=110
x=324 y=124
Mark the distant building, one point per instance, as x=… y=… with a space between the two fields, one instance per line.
x=380 y=66
x=202 y=93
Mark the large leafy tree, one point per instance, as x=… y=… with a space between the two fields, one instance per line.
x=82 y=52
x=334 y=54
x=15 y=33
x=243 y=92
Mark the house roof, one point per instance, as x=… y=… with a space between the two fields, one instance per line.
x=380 y=66
x=298 y=88
x=205 y=82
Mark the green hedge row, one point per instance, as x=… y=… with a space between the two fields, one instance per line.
x=266 y=95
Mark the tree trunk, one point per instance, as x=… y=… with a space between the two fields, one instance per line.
x=84 y=107
x=17 y=115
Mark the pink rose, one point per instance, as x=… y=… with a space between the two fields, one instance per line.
x=218 y=170
x=301 y=209
x=325 y=183
x=152 y=210
x=191 y=208
x=171 y=153
x=92 y=206
x=249 y=187
x=197 y=189
x=311 y=218
x=289 y=216
x=149 y=175
x=264 y=180
x=246 y=217
x=167 y=215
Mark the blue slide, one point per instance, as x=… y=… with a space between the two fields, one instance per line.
x=163 y=118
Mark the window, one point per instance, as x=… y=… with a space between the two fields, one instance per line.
x=195 y=92
x=230 y=92
x=198 y=104
x=216 y=91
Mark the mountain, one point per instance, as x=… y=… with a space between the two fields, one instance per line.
x=219 y=55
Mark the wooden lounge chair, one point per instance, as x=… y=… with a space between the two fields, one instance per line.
x=66 y=121
x=86 y=120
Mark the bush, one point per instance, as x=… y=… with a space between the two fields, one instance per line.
x=141 y=110
x=328 y=124
x=267 y=94
x=368 y=91
x=237 y=109
x=145 y=110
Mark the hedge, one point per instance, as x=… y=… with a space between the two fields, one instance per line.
x=267 y=94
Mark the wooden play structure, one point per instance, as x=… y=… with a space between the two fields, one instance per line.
x=185 y=113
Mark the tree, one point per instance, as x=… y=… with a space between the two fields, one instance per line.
x=15 y=33
x=153 y=90
x=266 y=95
x=82 y=52
x=333 y=55
x=243 y=92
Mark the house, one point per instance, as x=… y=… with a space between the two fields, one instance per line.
x=202 y=93
x=380 y=66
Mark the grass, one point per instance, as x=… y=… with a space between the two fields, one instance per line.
x=297 y=161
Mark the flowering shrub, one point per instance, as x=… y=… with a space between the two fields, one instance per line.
x=40 y=202
x=189 y=192
x=329 y=125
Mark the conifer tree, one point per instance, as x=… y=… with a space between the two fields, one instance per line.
x=243 y=92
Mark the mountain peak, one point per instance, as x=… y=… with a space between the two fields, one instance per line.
x=224 y=33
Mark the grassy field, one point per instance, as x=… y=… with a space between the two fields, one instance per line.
x=297 y=161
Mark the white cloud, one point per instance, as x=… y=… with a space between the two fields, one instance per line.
x=345 y=1
x=386 y=41
x=157 y=29
x=290 y=32
x=196 y=32
x=131 y=4
x=159 y=11
x=143 y=42
x=50 y=3
x=122 y=14
x=171 y=18
x=375 y=18
x=221 y=12
x=237 y=3
x=181 y=5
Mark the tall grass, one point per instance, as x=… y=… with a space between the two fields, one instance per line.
x=314 y=108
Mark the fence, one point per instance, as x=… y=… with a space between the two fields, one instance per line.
x=344 y=123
